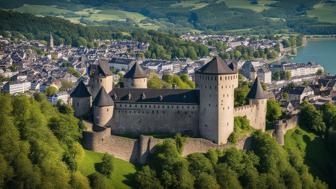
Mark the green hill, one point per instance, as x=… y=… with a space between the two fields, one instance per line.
x=314 y=151
x=122 y=171
x=264 y=16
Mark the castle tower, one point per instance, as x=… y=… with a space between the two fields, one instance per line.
x=258 y=97
x=102 y=108
x=81 y=100
x=135 y=77
x=216 y=81
x=100 y=76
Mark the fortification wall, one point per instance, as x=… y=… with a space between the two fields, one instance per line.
x=120 y=147
x=137 y=150
x=137 y=119
x=282 y=127
x=255 y=112
x=250 y=111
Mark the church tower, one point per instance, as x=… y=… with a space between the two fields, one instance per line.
x=258 y=97
x=100 y=76
x=135 y=77
x=51 y=42
x=216 y=81
x=81 y=100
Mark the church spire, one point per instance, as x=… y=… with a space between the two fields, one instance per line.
x=51 y=42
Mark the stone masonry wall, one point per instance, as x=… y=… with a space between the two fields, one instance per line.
x=137 y=119
x=137 y=150
x=120 y=147
x=249 y=111
x=282 y=127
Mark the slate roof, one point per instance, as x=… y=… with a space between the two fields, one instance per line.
x=103 y=99
x=135 y=72
x=218 y=66
x=102 y=69
x=257 y=92
x=155 y=95
x=299 y=90
x=80 y=91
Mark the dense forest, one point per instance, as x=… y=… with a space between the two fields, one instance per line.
x=39 y=145
x=162 y=46
x=267 y=165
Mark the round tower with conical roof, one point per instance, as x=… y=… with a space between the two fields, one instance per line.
x=81 y=100
x=216 y=81
x=136 y=77
x=258 y=97
x=103 y=106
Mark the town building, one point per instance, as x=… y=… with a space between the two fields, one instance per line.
x=300 y=93
x=254 y=69
x=61 y=96
x=119 y=63
x=297 y=70
x=14 y=87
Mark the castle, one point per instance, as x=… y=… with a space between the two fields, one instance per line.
x=207 y=111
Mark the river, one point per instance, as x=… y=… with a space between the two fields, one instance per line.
x=321 y=51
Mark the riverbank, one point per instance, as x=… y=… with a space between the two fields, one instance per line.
x=314 y=37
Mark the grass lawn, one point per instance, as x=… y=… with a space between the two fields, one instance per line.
x=246 y=4
x=192 y=4
x=314 y=151
x=91 y=14
x=122 y=170
x=325 y=12
x=42 y=10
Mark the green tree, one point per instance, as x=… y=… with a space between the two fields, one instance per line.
x=97 y=181
x=273 y=113
x=50 y=91
x=241 y=94
x=310 y=118
x=106 y=166
x=146 y=179
x=206 y=181
x=191 y=53
x=79 y=181
x=226 y=177
x=328 y=111
x=199 y=164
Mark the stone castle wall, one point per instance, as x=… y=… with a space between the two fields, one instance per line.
x=282 y=127
x=138 y=119
x=250 y=111
x=137 y=150
x=255 y=112
x=120 y=147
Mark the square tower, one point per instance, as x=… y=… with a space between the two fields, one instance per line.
x=216 y=81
